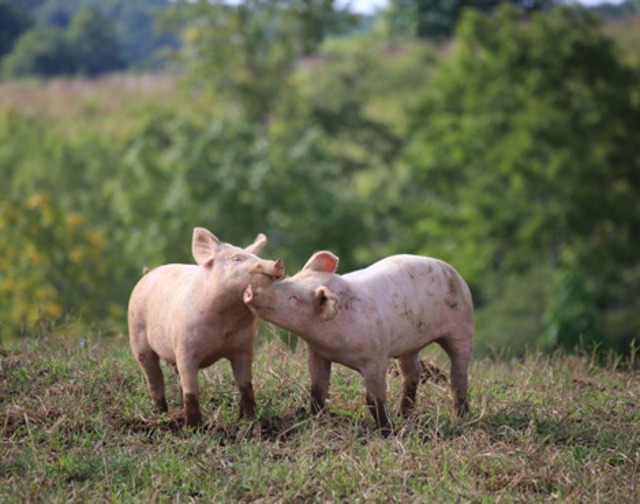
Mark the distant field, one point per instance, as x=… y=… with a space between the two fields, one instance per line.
x=626 y=32
x=60 y=98
x=78 y=426
x=108 y=105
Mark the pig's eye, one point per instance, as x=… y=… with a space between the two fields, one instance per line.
x=237 y=259
x=293 y=298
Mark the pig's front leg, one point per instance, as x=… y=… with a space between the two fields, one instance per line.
x=188 y=372
x=375 y=382
x=241 y=366
x=320 y=372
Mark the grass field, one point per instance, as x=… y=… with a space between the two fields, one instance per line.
x=78 y=426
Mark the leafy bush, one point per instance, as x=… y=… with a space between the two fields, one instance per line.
x=524 y=158
x=14 y=21
x=86 y=47
x=54 y=265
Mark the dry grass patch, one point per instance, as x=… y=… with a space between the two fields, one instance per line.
x=78 y=425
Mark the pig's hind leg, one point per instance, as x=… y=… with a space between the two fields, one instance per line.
x=460 y=357
x=180 y=394
x=410 y=370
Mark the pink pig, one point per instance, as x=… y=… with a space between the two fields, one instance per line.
x=193 y=315
x=393 y=308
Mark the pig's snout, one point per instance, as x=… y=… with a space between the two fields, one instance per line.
x=273 y=270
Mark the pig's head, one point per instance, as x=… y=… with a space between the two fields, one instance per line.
x=302 y=301
x=233 y=268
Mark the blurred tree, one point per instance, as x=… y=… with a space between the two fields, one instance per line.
x=305 y=198
x=571 y=316
x=38 y=156
x=181 y=171
x=315 y=20
x=87 y=47
x=14 y=21
x=334 y=91
x=354 y=95
x=437 y=19
x=134 y=25
x=525 y=152
x=92 y=44
x=29 y=5
x=40 y=51
x=130 y=21
x=254 y=167
x=244 y=53
x=53 y=266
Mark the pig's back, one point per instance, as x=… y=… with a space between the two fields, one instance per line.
x=403 y=272
x=160 y=283
x=418 y=298
x=156 y=294
x=436 y=276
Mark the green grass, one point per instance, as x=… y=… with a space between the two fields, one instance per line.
x=78 y=425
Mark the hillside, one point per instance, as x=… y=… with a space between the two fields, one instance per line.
x=78 y=426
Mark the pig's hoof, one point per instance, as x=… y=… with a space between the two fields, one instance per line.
x=385 y=432
x=161 y=405
x=248 y=414
x=461 y=408
x=193 y=421
x=192 y=416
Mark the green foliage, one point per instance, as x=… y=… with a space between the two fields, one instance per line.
x=511 y=314
x=220 y=175
x=522 y=147
x=295 y=125
x=313 y=21
x=356 y=93
x=86 y=47
x=13 y=22
x=131 y=21
x=245 y=53
x=437 y=19
x=93 y=44
x=41 y=51
x=54 y=175
x=53 y=265
x=572 y=313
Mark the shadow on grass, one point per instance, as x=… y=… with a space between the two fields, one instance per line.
x=521 y=423
x=281 y=429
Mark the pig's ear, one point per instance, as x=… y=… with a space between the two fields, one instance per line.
x=257 y=245
x=322 y=261
x=204 y=246
x=326 y=303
